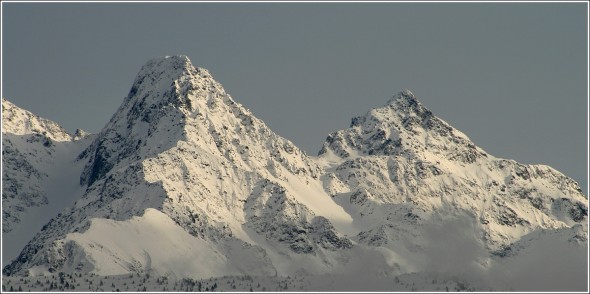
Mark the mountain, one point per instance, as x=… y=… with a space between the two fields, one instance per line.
x=399 y=165
x=37 y=173
x=180 y=150
x=17 y=194
x=422 y=191
x=185 y=182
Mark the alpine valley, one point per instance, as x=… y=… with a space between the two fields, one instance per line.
x=184 y=189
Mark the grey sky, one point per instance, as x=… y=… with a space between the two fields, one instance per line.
x=513 y=77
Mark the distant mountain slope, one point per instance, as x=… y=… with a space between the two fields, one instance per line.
x=18 y=121
x=37 y=172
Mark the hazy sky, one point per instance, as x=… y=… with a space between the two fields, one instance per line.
x=513 y=77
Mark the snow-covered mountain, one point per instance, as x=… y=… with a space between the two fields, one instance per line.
x=399 y=165
x=422 y=191
x=37 y=174
x=185 y=182
x=180 y=149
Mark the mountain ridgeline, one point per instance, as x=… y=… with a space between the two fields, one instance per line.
x=183 y=181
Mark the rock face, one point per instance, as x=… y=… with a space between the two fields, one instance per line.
x=181 y=159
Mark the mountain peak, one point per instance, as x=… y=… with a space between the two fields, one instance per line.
x=165 y=63
x=172 y=101
x=18 y=121
x=162 y=71
x=405 y=95
x=405 y=100
x=174 y=66
x=164 y=91
x=161 y=74
x=382 y=130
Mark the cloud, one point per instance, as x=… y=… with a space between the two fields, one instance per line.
x=550 y=263
x=452 y=246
